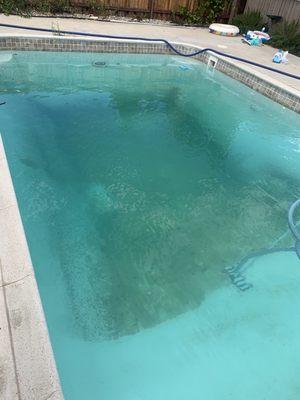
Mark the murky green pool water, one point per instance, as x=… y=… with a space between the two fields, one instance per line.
x=138 y=182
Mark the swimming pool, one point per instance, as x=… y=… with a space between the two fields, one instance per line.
x=139 y=179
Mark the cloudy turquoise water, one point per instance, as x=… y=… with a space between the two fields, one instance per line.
x=138 y=182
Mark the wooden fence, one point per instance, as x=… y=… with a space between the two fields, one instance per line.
x=150 y=8
x=289 y=10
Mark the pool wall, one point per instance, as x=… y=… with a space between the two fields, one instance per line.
x=27 y=366
x=263 y=84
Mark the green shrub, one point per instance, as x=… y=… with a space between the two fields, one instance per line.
x=14 y=6
x=27 y=7
x=59 y=6
x=204 y=13
x=249 y=21
x=184 y=16
x=212 y=10
x=41 y=6
x=286 y=35
x=94 y=7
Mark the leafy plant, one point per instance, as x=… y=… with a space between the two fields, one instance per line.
x=41 y=6
x=13 y=6
x=59 y=6
x=249 y=21
x=27 y=7
x=212 y=10
x=94 y=7
x=184 y=16
x=204 y=13
x=286 y=35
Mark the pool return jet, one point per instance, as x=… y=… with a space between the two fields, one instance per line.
x=237 y=272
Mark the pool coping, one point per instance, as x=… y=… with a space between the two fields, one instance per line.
x=27 y=366
x=272 y=88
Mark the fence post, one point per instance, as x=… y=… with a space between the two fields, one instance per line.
x=233 y=10
x=191 y=5
x=151 y=7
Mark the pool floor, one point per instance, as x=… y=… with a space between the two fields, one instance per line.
x=139 y=179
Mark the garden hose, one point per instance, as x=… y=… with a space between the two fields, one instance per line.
x=168 y=44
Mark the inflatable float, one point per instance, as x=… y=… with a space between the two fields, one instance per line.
x=256 y=38
x=262 y=35
x=224 y=30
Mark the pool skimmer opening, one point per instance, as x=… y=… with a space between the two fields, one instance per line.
x=212 y=62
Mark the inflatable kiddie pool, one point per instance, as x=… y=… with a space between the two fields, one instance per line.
x=224 y=30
